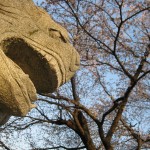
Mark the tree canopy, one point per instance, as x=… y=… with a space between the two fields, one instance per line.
x=106 y=105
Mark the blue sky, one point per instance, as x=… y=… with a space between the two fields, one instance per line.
x=38 y=1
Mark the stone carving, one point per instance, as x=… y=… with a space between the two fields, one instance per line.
x=35 y=56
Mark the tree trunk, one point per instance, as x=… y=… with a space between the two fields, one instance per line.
x=83 y=131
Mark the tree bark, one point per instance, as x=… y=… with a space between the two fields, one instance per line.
x=83 y=131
